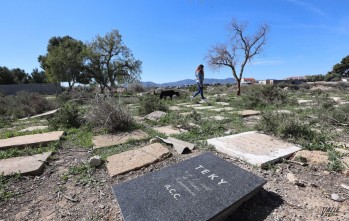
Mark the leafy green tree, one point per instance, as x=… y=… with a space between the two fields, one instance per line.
x=342 y=68
x=110 y=61
x=64 y=60
x=38 y=77
x=21 y=77
x=238 y=51
x=6 y=76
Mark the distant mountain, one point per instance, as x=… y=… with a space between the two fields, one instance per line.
x=189 y=82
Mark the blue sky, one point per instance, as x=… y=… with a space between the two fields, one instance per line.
x=171 y=37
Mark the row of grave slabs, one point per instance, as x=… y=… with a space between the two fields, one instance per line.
x=204 y=187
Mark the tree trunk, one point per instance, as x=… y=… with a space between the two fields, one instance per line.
x=239 y=87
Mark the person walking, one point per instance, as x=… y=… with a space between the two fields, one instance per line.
x=199 y=74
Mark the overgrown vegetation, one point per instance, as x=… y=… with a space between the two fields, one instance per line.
x=108 y=115
x=24 y=104
x=5 y=181
x=83 y=174
x=66 y=117
x=150 y=103
x=264 y=96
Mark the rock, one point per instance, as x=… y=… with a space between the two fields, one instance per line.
x=336 y=197
x=95 y=161
x=292 y=179
x=345 y=186
x=156 y=115
x=154 y=140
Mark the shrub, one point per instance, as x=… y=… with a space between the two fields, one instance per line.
x=24 y=104
x=150 y=103
x=136 y=87
x=66 y=117
x=291 y=127
x=266 y=95
x=104 y=114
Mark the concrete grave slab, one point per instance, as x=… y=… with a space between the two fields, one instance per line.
x=185 y=113
x=222 y=109
x=336 y=99
x=256 y=148
x=30 y=140
x=219 y=118
x=156 y=115
x=203 y=108
x=134 y=159
x=29 y=165
x=222 y=103
x=193 y=105
x=168 y=130
x=301 y=101
x=115 y=139
x=344 y=102
x=247 y=113
x=174 y=108
x=204 y=187
x=34 y=128
x=284 y=111
x=179 y=145
x=41 y=115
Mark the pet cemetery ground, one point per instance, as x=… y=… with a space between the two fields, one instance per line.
x=273 y=153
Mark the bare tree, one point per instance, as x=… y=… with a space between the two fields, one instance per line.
x=238 y=51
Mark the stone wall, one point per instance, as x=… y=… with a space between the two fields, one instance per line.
x=12 y=89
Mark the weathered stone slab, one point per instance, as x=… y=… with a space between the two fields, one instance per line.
x=193 y=105
x=256 y=148
x=185 y=113
x=179 y=145
x=168 y=130
x=29 y=165
x=222 y=109
x=222 y=103
x=203 y=188
x=156 y=115
x=116 y=139
x=247 y=113
x=41 y=115
x=219 y=118
x=34 y=128
x=203 y=107
x=30 y=140
x=135 y=159
x=301 y=101
x=174 y=108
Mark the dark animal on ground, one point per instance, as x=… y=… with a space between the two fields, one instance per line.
x=168 y=93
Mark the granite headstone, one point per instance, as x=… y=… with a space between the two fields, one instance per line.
x=204 y=187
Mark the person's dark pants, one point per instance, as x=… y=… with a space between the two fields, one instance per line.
x=200 y=91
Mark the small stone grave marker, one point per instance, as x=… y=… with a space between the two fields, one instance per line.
x=256 y=148
x=179 y=145
x=115 y=139
x=247 y=113
x=168 y=130
x=203 y=107
x=156 y=115
x=30 y=140
x=222 y=103
x=135 y=159
x=29 y=165
x=41 y=115
x=204 y=187
x=174 y=108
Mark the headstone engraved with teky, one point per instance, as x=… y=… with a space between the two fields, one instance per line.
x=204 y=187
